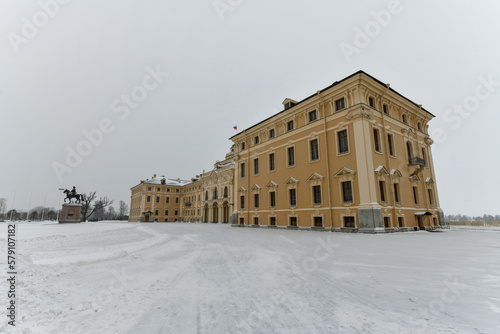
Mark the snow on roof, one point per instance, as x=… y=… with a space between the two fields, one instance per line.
x=168 y=182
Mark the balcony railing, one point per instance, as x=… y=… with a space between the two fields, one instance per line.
x=188 y=203
x=416 y=161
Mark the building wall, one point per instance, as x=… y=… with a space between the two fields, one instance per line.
x=358 y=165
x=382 y=173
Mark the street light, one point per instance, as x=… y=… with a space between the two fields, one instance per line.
x=58 y=210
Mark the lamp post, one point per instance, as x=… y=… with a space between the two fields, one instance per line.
x=58 y=210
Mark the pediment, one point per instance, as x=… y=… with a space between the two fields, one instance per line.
x=242 y=190
x=396 y=173
x=272 y=184
x=255 y=187
x=429 y=180
x=315 y=177
x=414 y=178
x=381 y=170
x=345 y=171
x=291 y=180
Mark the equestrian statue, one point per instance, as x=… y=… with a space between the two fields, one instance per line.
x=70 y=194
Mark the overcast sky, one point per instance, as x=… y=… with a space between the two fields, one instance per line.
x=164 y=82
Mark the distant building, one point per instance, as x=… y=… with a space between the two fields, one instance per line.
x=353 y=157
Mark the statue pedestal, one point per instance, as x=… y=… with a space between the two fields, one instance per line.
x=70 y=213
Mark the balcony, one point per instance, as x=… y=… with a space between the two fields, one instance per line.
x=187 y=204
x=415 y=161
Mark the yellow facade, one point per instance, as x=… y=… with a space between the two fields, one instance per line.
x=353 y=157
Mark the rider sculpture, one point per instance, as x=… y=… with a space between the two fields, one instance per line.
x=70 y=194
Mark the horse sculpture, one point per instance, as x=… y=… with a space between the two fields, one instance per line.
x=71 y=194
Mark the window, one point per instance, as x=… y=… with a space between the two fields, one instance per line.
x=347 y=192
x=256 y=140
x=166 y=212
x=386 y=109
x=349 y=222
x=316 y=195
x=381 y=185
x=149 y=188
x=255 y=166
x=243 y=146
x=340 y=104
x=403 y=118
x=313 y=115
x=415 y=195
x=289 y=125
x=167 y=200
x=431 y=198
x=376 y=140
x=272 y=199
x=176 y=190
x=216 y=193
x=256 y=200
x=157 y=189
x=176 y=213
x=256 y=220
x=291 y=156
x=148 y=199
x=225 y=192
x=293 y=221
x=424 y=156
x=177 y=200
x=387 y=222
x=390 y=142
x=401 y=222
x=272 y=133
x=156 y=212
x=419 y=126
x=293 y=197
x=157 y=199
x=168 y=190
x=314 y=150
x=343 y=142
x=271 y=162
x=371 y=102
x=242 y=169
x=318 y=221
x=206 y=195
x=396 y=193
x=166 y=219
x=409 y=150
x=272 y=221
x=242 y=202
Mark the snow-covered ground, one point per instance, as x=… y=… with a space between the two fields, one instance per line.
x=213 y=278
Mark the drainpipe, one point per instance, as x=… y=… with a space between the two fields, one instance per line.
x=388 y=158
x=327 y=162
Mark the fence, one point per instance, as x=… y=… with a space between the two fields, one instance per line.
x=471 y=223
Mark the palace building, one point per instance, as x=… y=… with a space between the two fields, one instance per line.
x=353 y=157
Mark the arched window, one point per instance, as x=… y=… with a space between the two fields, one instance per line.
x=206 y=195
x=225 y=192
x=216 y=195
x=419 y=126
x=409 y=150
x=424 y=156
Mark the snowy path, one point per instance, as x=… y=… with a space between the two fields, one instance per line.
x=211 y=278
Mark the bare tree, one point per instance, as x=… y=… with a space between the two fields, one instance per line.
x=123 y=210
x=91 y=205
x=3 y=206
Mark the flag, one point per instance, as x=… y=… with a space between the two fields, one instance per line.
x=235 y=127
